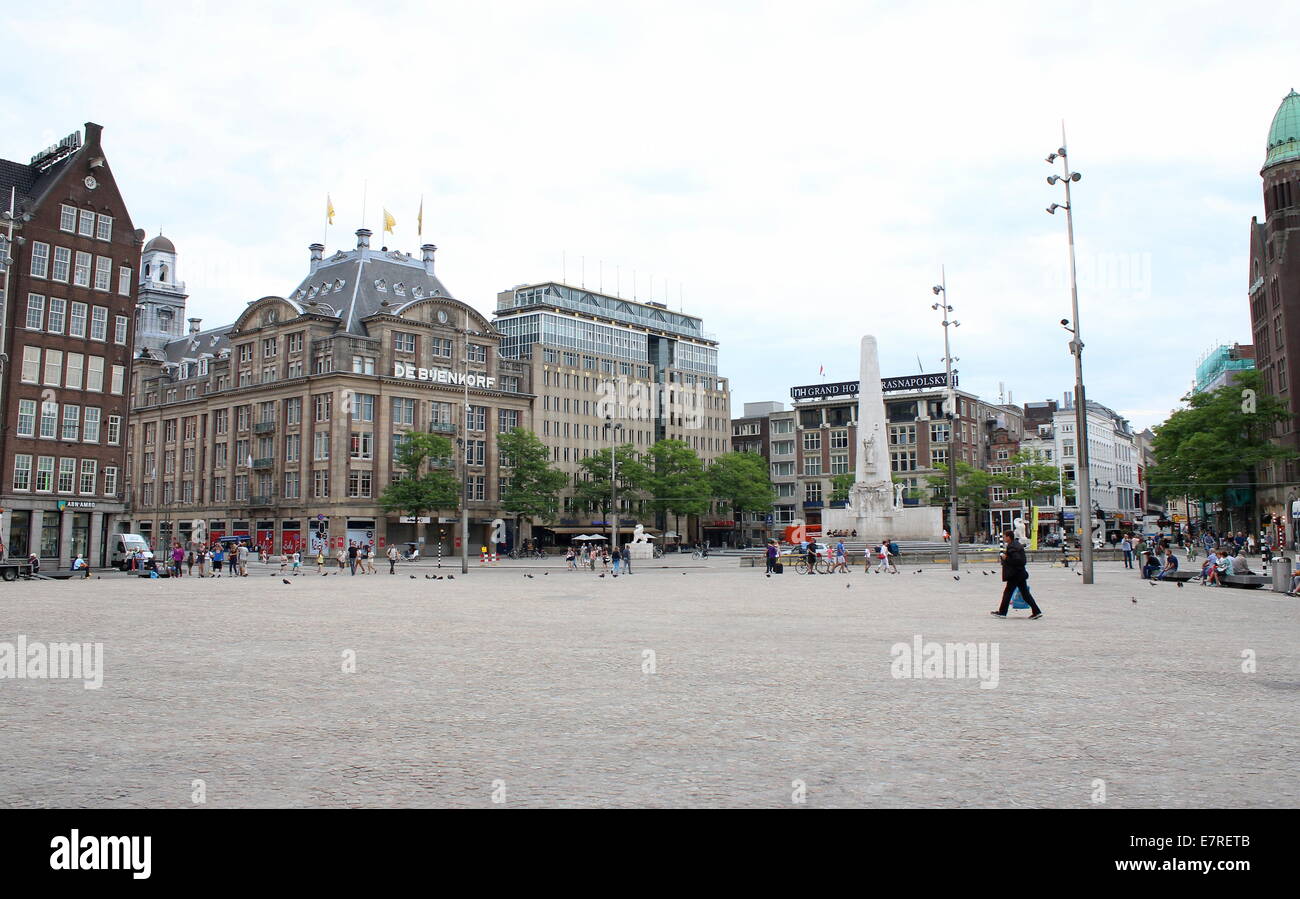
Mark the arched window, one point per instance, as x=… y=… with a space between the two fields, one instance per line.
x=146 y=271
x=162 y=273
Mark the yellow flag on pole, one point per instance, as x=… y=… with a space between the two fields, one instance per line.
x=389 y=222
x=419 y=219
x=329 y=210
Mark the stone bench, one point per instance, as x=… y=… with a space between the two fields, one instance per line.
x=1246 y=581
x=1180 y=575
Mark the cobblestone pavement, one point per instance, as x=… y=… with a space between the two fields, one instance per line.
x=537 y=689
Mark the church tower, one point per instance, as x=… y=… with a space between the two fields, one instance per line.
x=1274 y=292
x=161 y=309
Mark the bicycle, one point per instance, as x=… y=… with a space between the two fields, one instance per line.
x=700 y=554
x=803 y=566
x=658 y=552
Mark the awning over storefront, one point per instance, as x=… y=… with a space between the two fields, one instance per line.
x=595 y=529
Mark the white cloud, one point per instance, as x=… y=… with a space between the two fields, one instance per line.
x=798 y=172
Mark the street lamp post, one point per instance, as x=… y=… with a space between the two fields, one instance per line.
x=613 y=479
x=1082 y=477
x=953 y=530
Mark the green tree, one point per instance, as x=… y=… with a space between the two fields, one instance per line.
x=841 y=484
x=591 y=489
x=534 y=486
x=1029 y=478
x=677 y=482
x=972 y=488
x=1214 y=446
x=428 y=482
x=740 y=480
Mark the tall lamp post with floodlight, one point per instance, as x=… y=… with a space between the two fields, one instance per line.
x=943 y=308
x=613 y=428
x=1082 y=476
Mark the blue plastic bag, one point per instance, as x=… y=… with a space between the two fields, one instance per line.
x=1017 y=601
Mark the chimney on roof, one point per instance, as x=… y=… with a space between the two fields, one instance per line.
x=428 y=250
x=363 y=238
x=317 y=253
x=194 y=325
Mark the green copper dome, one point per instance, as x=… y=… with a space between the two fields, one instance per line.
x=1284 y=136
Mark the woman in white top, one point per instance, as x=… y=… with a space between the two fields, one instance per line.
x=882 y=553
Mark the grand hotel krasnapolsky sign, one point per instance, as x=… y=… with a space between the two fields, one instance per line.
x=850 y=388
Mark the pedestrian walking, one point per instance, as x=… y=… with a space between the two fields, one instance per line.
x=1015 y=576
x=570 y=559
x=178 y=556
x=189 y=563
x=841 y=559
x=369 y=559
x=618 y=560
x=352 y=556
x=771 y=553
x=882 y=554
x=297 y=563
x=218 y=556
x=34 y=561
x=1127 y=546
x=320 y=561
x=392 y=559
x=341 y=557
x=627 y=560
x=242 y=555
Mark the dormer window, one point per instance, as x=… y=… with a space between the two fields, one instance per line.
x=417 y=291
x=311 y=293
x=338 y=284
x=400 y=288
x=381 y=284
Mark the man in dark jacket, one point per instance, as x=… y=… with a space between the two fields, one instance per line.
x=1015 y=575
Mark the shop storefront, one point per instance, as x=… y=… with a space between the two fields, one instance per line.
x=58 y=531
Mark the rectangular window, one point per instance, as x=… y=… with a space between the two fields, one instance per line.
x=320 y=483
x=295 y=343
x=124 y=280
x=221 y=455
x=103 y=273
x=45 y=473
x=440 y=346
x=221 y=421
x=77 y=322
x=839 y=439
x=53 y=368
x=293 y=410
x=99 y=323
x=58 y=313
x=363 y=445
x=812 y=440
x=90 y=428
x=31 y=365
x=26 y=418
x=403 y=343
x=67 y=475
x=938 y=458
x=363 y=365
x=403 y=411
x=839 y=463
x=940 y=431
x=95 y=374
x=110 y=480
x=292 y=447
x=322 y=404
x=87 y=485
x=62 y=264
x=477 y=353
x=86 y=225
x=440 y=413
x=49 y=420
x=81 y=271
x=902 y=460
x=40 y=259
x=363 y=407
x=22 y=472
x=475 y=452
x=35 y=311
x=67 y=218
x=359 y=484
x=104 y=227
x=812 y=466
x=292 y=488
x=902 y=435
x=321 y=446
x=114 y=430
x=476 y=420
x=270 y=347
x=507 y=420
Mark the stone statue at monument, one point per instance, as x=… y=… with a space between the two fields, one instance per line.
x=875 y=503
x=1018 y=528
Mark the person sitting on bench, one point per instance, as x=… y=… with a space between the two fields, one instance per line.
x=1240 y=565
x=1150 y=565
x=1171 y=564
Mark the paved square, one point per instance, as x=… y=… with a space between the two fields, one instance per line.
x=536 y=687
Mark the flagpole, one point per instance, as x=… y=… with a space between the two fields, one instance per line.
x=365 y=190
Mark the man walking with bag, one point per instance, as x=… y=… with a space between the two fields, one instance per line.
x=1015 y=575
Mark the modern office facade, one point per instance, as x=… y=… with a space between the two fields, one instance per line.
x=284 y=424
x=69 y=301
x=608 y=370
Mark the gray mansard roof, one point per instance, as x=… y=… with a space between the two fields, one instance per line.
x=358 y=283
x=213 y=343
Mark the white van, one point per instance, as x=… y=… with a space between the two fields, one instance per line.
x=121 y=545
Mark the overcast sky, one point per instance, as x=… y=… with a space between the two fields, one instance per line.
x=796 y=172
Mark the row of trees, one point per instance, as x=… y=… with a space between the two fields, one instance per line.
x=1214 y=448
x=669 y=477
